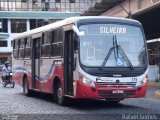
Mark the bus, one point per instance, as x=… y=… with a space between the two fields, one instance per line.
x=83 y=58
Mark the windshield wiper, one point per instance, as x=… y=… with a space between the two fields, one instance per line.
x=122 y=53
x=107 y=56
x=117 y=50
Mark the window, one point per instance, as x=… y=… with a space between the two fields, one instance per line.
x=25 y=42
x=21 y=48
x=18 y=44
x=32 y=24
x=36 y=43
x=56 y=49
x=58 y=36
x=3 y=25
x=57 y=1
x=18 y=26
x=72 y=1
x=47 y=37
x=15 y=48
x=38 y=23
x=14 y=44
x=22 y=43
x=27 y=49
x=24 y=0
x=3 y=43
x=47 y=5
x=46 y=44
x=34 y=2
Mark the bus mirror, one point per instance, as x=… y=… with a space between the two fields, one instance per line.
x=75 y=29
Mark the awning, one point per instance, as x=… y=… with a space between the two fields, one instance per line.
x=36 y=15
x=101 y=7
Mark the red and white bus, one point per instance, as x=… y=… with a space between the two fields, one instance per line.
x=83 y=58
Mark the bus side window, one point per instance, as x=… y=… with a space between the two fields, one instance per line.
x=27 y=49
x=37 y=47
x=13 y=43
x=21 y=48
x=46 y=44
x=56 y=48
x=15 y=49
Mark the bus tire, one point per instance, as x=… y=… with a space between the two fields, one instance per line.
x=60 y=99
x=26 y=89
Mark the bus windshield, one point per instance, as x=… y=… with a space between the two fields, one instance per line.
x=98 y=41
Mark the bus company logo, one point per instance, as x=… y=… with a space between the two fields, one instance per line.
x=117 y=82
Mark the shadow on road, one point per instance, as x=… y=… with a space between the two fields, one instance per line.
x=84 y=104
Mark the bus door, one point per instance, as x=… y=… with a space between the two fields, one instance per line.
x=68 y=63
x=36 y=60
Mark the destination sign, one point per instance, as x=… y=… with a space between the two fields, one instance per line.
x=113 y=30
x=104 y=29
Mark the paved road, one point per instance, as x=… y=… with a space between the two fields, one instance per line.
x=12 y=101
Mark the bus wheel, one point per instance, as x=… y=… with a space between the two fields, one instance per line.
x=60 y=99
x=26 y=90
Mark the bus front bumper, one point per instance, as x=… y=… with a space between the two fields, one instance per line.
x=87 y=92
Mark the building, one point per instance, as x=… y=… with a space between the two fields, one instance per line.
x=18 y=16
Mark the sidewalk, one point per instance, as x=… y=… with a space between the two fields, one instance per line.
x=157 y=85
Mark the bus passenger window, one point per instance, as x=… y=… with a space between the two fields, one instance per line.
x=37 y=50
x=56 y=47
x=13 y=44
x=46 y=44
x=21 y=48
x=27 y=49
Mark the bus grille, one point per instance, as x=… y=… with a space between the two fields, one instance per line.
x=109 y=94
x=114 y=84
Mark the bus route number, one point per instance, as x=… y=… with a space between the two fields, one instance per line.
x=134 y=79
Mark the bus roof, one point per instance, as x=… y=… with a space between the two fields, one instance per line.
x=73 y=20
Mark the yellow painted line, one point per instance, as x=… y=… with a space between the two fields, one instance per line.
x=154 y=84
x=157 y=94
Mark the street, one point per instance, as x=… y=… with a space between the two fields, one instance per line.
x=14 y=102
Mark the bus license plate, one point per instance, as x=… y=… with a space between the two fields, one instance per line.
x=118 y=91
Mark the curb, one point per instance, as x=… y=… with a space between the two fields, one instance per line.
x=157 y=94
x=154 y=84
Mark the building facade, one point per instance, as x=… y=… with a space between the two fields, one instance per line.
x=18 y=16
x=46 y=5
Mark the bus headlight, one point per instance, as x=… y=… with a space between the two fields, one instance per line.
x=86 y=81
x=145 y=80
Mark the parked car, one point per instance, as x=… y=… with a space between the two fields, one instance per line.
x=1 y=66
